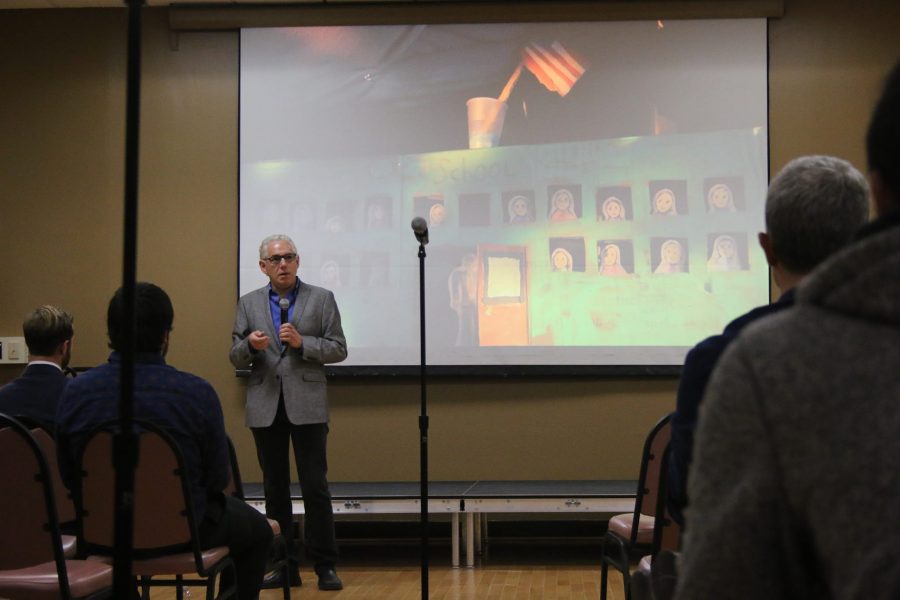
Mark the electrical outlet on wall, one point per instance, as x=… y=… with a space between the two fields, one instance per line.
x=13 y=350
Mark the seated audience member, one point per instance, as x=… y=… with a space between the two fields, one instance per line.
x=814 y=207
x=794 y=488
x=188 y=408
x=35 y=394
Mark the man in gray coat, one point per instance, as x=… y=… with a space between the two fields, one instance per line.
x=795 y=488
x=285 y=332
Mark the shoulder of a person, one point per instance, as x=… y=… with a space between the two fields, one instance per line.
x=713 y=345
x=262 y=291
x=7 y=388
x=191 y=379
x=777 y=324
x=738 y=324
x=769 y=341
x=314 y=289
x=91 y=375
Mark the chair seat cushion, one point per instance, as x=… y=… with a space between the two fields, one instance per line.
x=41 y=582
x=173 y=564
x=178 y=563
x=276 y=527
x=621 y=526
x=68 y=545
x=645 y=563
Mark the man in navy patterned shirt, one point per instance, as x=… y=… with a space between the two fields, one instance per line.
x=188 y=408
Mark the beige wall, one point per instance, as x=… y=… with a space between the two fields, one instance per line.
x=61 y=172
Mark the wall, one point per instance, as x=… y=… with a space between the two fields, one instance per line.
x=61 y=191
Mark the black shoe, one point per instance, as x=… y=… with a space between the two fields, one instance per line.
x=328 y=580
x=274 y=580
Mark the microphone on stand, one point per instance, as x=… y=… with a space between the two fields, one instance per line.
x=420 y=228
x=284 y=304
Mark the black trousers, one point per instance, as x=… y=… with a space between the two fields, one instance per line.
x=232 y=522
x=309 y=442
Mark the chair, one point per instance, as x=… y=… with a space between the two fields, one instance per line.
x=658 y=569
x=32 y=564
x=165 y=528
x=640 y=586
x=278 y=558
x=65 y=505
x=631 y=533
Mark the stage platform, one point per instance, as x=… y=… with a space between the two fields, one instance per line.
x=472 y=499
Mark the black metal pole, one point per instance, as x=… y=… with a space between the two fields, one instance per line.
x=125 y=442
x=423 y=427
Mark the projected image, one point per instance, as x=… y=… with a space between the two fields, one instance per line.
x=378 y=212
x=669 y=255
x=331 y=273
x=374 y=270
x=303 y=216
x=727 y=252
x=614 y=204
x=437 y=214
x=338 y=216
x=668 y=198
x=519 y=207
x=561 y=260
x=503 y=302
x=582 y=208
x=462 y=285
x=474 y=210
x=431 y=208
x=565 y=203
x=615 y=257
x=724 y=194
x=567 y=254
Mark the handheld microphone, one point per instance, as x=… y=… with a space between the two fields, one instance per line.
x=284 y=304
x=420 y=228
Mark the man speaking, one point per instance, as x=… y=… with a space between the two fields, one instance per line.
x=285 y=332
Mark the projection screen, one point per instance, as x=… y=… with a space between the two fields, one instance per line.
x=593 y=191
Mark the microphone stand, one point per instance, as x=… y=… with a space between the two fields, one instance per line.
x=125 y=439
x=423 y=428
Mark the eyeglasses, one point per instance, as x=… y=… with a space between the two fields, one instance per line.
x=276 y=259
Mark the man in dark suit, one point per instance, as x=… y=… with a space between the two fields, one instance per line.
x=36 y=393
x=285 y=332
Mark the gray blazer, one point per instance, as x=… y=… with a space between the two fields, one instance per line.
x=298 y=372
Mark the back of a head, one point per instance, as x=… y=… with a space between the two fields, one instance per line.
x=153 y=315
x=814 y=207
x=883 y=137
x=46 y=328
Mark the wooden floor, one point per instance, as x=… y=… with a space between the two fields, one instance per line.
x=520 y=571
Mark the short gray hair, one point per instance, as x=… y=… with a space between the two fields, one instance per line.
x=278 y=237
x=814 y=207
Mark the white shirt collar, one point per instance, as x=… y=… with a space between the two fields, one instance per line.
x=44 y=362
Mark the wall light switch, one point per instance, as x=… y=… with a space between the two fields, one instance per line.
x=13 y=350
